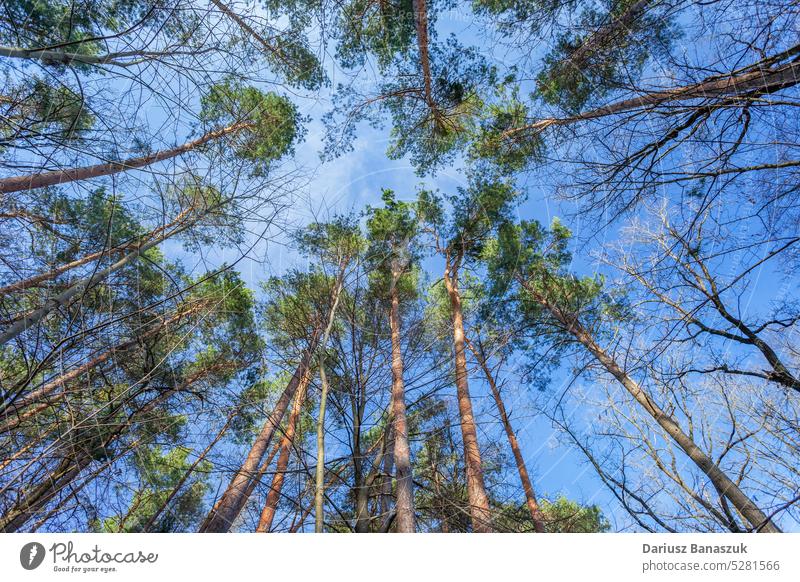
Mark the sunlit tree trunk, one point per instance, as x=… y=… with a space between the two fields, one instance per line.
x=476 y=489
x=527 y=486
x=230 y=505
x=319 y=489
x=404 y=506
x=287 y=442
x=56 y=177
x=748 y=85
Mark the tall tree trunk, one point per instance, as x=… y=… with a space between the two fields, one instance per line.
x=421 y=24
x=319 y=483
x=274 y=495
x=404 y=506
x=74 y=459
x=386 y=481
x=476 y=489
x=363 y=520
x=221 y=517
x=319 y=488
x=724 y=484
x=527 y=487
x=230 y=505
x=56 y=177
x=756 y=81
x=606 y=33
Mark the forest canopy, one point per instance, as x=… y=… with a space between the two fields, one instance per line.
x=384 y=266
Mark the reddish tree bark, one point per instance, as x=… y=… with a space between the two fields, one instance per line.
x=476 y=489
x=43 y=179
x=404 y=506
x=274 y=495
x=522 y=469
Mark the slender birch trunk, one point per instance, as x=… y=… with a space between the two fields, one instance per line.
x=319 y=489
x=319 y=482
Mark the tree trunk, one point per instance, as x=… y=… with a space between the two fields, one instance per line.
x=753 y=83
x=56 y=177
x=746 y=507
x=386 y=480
x=37 y=498
x=221 y=517
x=75 y=459
x=476 y=489
x=527 y=487
x=404 y=505
x=14 y=409
x=274 y=495
x=37 y=280
x=319 y=488
x=319 y=483
x=607 y=32
x=421 y=25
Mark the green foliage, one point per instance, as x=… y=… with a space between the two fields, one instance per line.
x=337 y=241
x=159 y=472
x=227 y=334
x=296 y=304
x=560 y=516
x=621 y=44
x=393 y=249
x=475 y=212
x=272 y=122
x=565 y=516
x=42 y=23
x=293 y=57
x=252 y=402
x=522 y=10
x=496 y=140
x=430 y=132
x=35 y=106
x=383 y=29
